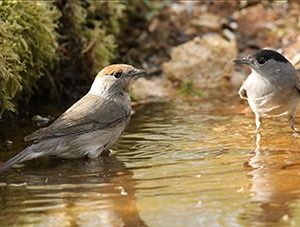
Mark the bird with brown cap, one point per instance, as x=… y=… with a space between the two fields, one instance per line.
x=91 y=125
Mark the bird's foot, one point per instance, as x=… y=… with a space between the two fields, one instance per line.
x=295 y=134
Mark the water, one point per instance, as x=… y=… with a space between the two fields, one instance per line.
x=181 y=162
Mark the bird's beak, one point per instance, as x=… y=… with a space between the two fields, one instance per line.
x=242 y=61
x=137 y=72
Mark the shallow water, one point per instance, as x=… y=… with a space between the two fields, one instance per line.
x=181 y=162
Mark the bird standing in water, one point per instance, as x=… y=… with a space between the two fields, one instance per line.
x=91 y=125
x=272 y=88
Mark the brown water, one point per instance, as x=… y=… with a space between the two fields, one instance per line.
x=184 y=162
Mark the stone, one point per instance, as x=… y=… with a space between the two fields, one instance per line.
x=143 y=88
x=205 y=61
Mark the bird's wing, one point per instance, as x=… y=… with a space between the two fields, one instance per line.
x=84 y=116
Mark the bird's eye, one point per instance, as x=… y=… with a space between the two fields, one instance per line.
x=117 y=75
x=261 y=61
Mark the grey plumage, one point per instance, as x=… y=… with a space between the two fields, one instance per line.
x=272 y=88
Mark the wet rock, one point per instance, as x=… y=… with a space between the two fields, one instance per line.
x=204 y=61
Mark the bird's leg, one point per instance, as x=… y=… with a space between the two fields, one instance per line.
x=257 y=122
x=257 y=141
x=292 y=123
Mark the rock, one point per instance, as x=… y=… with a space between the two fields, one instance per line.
x=143 y=88
x=207 y=21
x=206 y=62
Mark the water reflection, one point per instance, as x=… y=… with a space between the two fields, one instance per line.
x=181 y=162
x=70 y=193
x=275 y=181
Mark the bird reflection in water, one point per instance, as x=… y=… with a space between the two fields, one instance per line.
x=97 y=192
x=275 y=180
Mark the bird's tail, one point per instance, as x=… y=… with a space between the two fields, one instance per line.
x=24 y=155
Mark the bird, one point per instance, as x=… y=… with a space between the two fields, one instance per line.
x=91 y=125
x=272 y=88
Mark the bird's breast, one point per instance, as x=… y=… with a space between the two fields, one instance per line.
x=268 y=99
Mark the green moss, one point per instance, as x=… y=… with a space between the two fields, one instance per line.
x=88 y=30
x=60 y=39
x=28 y=47
x=100 y=29
x=10 y=67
